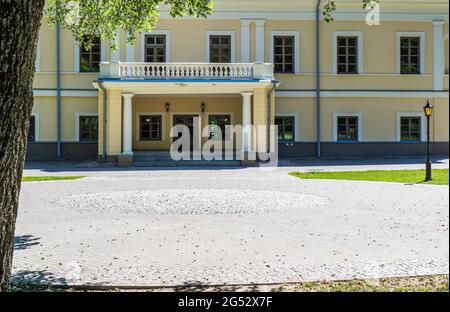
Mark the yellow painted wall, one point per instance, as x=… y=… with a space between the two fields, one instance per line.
x=46 y=107
x=71 y=106
x=180 y=105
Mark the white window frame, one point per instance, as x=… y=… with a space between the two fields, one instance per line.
x=360 y=38
x=77 y=52
x=77 y=122
x=423 y=130
x=347 y=114
x=296 y=123
x=156 y=32
x=210 y=33
x=297 y=55
x=422 y=37
x=138 y=123
x=37 y=123
x=227 y=138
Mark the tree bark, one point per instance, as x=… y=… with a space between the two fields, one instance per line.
x=20 y=21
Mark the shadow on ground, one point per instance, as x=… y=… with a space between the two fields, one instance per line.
x=35 y=281
x=195 y=286
x=73 y=166
x=25 y=241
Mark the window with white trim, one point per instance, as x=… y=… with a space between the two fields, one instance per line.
x=88 y=128
x=347 y=128
x=284 y=51
x=155 y=48
x=286 y=128
x=410 y=55
x=347 y=55
x=90 y=58
x=410 y=128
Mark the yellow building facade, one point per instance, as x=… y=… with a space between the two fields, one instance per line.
x=252 y=63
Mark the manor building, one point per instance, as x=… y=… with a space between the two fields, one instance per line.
x=254 y=63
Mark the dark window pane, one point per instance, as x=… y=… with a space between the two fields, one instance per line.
x=220 y=49
x=347 y=129
x=347 y=55
x=90 y=58
x=219 y=122
x=150 y=128
x=284 y=54
x=156 y=49
x=286 y=128
x=410 y=128
x=410 y=55
x=32 y=130
x=88 y=128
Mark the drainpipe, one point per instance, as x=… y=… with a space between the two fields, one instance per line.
x=269 y=113
x=58 y=89
x=318 y=79
x=105 y=97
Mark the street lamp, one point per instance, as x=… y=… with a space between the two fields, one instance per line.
x=428 y=110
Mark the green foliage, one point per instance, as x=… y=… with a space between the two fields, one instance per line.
x=329 y=7
x=103 y=18
x=440 y=176
x=51 y=178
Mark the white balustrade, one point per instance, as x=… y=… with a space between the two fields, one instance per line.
x=194 y=71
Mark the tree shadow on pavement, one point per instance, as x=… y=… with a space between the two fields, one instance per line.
x=195 y=286
x=23 y=242
x=30 y=281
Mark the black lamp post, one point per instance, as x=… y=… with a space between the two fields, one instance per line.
x=428 y=109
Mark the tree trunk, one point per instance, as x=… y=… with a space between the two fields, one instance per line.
x=20 y=21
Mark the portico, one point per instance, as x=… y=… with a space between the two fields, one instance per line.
x=140 y=112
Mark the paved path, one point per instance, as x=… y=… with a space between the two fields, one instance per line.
x=182 y=227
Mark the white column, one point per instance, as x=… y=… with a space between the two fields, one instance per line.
x=127 y=124
x=115 y=55
x=129 y=52
x=245 y=41
x=247 y=121
x=260 y=46
x=438 y=54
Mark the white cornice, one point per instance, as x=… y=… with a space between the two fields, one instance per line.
x=369 y=94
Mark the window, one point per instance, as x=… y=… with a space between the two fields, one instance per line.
x=155 y=48
x=284 y=54
x=90 y=59
x=410 y=128
x=347 y=55
x=410 y=55
x=347 y=128
x=32 y=129
x=286 y=128
x=220 y=49
x=150 y=128
x=217 y=122
x=88 y=127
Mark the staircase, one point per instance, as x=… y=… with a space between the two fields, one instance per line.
x=163 y=159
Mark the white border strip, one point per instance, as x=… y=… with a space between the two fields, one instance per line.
x=381 y=94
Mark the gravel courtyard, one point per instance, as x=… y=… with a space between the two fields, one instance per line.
x=228 y=226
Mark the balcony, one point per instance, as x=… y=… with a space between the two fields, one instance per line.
x=186 y=71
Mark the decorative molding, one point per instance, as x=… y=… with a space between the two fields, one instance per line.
x=360 y=49
x=66 y=93
x=423 y=130
x=438 y=55
x=210 y=33
x=297 y=54
x=260 y=34
x=156 y=32
x=420 y=35
x=245 y=41
x=369 y=94
x=349 y=114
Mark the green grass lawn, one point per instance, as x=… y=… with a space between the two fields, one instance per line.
x=51 y=178
x=440 y=176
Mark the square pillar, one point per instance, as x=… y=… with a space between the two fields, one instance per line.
x=260 y=42
x=438 y=55
x=127 y=124
x=245 y=41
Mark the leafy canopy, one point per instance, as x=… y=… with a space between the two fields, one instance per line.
x=103 y=18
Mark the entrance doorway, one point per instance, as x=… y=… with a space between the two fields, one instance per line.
x=188 y=121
